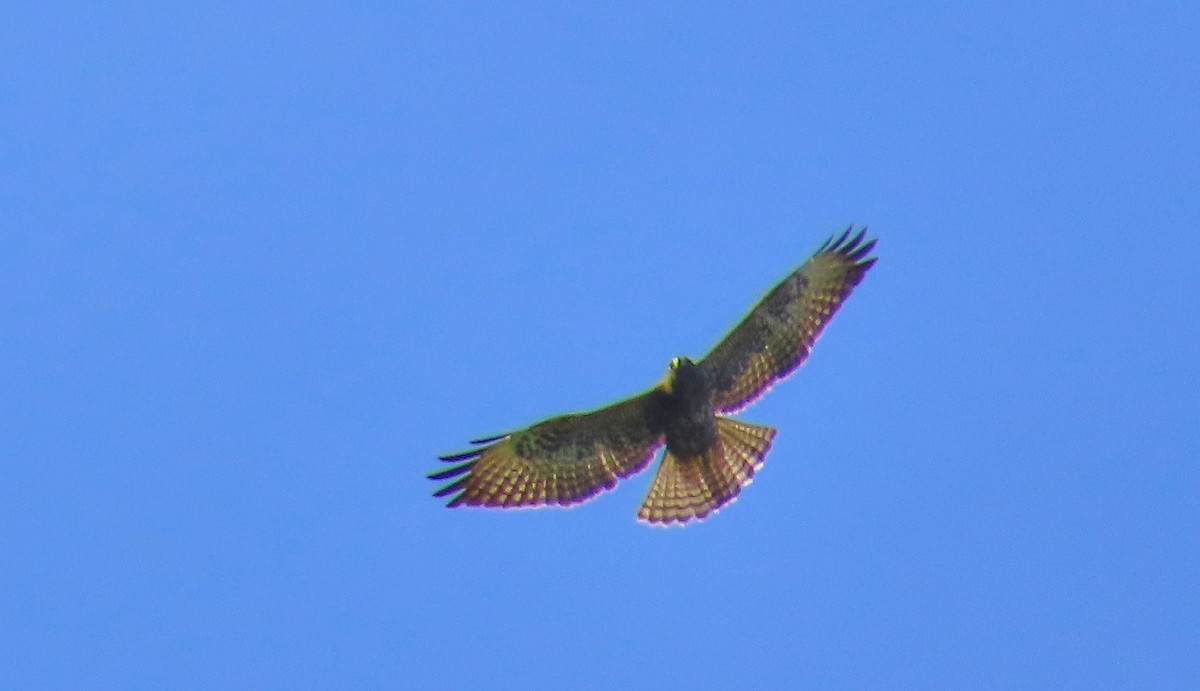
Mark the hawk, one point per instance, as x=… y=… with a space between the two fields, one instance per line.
x=709 y=457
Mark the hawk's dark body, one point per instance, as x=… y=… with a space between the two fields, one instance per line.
x=688 y=423
x=709 y=457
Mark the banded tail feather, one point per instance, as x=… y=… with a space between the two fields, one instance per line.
x=692 y=488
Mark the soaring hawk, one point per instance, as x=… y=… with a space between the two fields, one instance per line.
x=709 y=458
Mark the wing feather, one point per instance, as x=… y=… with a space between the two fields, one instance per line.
x=775 y=338
x=564 y=460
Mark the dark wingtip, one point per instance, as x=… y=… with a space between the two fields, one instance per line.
x=857 y=239
x=843 y=243
x=489 y=440
x=863 y=251
x=455 y=457
x=456 y=486
x=450 y=458
x=460 y=473
x=835 y=245
x=853 y=248
x=451 y=472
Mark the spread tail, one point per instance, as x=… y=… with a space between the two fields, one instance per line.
x=687 y=488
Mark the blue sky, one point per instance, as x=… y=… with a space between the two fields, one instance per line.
x=261 y=263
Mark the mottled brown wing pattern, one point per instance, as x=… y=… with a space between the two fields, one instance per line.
x=564 y=460
x=777 y=335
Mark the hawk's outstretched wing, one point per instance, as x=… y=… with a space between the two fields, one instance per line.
x=564 y=460
x=776 y=336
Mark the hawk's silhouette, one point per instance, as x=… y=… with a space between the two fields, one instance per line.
x=709 y=458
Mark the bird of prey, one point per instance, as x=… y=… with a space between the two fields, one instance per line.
x=709 y=457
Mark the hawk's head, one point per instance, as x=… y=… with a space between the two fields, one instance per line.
x=682 y=376
x=677 y=362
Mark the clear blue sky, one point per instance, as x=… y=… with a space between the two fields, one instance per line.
x=260 y=264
